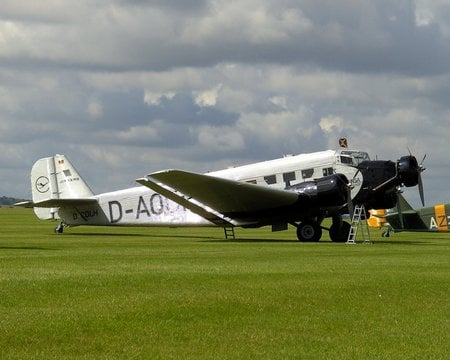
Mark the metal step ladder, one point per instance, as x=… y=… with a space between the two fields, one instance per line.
x=229 y=232
x=359 y=219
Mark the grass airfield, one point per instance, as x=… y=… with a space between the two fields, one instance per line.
x=160 y=293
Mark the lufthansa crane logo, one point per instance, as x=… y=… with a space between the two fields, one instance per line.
x=42 y=184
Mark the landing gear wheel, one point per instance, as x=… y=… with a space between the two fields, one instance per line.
x=339 y=232
x=59 y=229
x=309 y=231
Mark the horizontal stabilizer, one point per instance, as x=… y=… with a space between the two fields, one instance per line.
x=24 y=204
x=57 y=203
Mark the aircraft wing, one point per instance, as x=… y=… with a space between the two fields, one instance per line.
x=216 y=199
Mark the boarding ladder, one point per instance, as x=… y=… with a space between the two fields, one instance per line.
x=229 y=232
x=359 y=219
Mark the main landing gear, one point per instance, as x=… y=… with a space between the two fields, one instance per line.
x=311 y=231
x=339 y=233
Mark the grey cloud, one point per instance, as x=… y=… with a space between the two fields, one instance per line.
x=344 y=35
x=176 y=5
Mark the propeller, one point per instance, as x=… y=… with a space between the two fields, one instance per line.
x=350 y=185
x=410 y=172
x=413 y=168
x=349 y=200
x=421 y=169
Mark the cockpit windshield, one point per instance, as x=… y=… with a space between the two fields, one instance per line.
x=353 y=157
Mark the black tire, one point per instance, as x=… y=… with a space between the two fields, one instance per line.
x=309 y=231
x=339 y=233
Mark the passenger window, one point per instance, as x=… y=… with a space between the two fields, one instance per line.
x=288 y=177
x=327 y=171
x=307 y=173
x=270 y=179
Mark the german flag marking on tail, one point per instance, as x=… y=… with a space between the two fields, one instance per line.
x=441 y=218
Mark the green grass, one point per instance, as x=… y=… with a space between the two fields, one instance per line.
x=159 y=293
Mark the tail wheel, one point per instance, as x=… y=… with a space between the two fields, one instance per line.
x=339 y=232
x=59 y=229
x=309 y=231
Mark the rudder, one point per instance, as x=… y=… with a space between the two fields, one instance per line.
x=55 y=178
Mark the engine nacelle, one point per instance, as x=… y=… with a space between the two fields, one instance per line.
x=329 y=191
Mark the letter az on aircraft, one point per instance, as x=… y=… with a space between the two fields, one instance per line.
x=300 y=190
x=404 y=218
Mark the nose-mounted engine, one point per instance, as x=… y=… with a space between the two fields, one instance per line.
x=381 y=180
x=408 y=170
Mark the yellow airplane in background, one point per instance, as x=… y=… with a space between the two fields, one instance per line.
x=404 y=218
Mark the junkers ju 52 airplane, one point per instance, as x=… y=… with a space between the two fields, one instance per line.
x=300 y=190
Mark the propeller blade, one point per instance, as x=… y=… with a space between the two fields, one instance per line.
x=423 y=159
x=420 y=183
x=400 y=213
x=422 y=197
x=350 y=186
x=350 y=202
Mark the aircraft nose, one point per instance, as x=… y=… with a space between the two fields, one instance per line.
x=410 y=171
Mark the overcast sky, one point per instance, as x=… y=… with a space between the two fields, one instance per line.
x=123 y=88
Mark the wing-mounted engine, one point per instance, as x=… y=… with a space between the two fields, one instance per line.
x=330 y=192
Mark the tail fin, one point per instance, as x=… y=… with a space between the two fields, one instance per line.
x=404 y=217
x=403 y=204
x=54 y=178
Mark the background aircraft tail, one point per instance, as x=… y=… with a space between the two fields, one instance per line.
x=52 y=179
x=404 y=217
x=403 y=205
